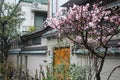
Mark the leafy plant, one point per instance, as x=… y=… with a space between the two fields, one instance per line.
x=78 y=72
x=32 y=28
x=10 y=21
x=74 y=72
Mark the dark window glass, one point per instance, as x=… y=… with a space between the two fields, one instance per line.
x=39 y=19
x=36 y=41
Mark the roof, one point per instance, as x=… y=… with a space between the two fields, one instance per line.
x=71 y=2
x=50 y=33
x=114 y=43
x=39 y=1
x=32 y=50
x=82 y=2
x=110 y=51
x=37 y=33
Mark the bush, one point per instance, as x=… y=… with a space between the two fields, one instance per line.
x=61 y=72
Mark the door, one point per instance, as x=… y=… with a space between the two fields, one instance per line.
x=61 y=63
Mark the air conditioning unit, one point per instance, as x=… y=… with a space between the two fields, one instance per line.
x=36 y=5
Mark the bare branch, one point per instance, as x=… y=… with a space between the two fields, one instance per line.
x=113 y=71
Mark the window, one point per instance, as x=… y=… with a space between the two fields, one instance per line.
x=39 y=19
x=36 y=41
x=33 y=41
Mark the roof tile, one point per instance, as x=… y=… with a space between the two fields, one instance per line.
x=39 y=1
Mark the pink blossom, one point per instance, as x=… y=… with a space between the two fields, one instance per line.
x=78 y=38
x=74 y=6
x=91 y=24
x=81 y=19
x=118 y=43
x=87 y=5
x=106 y=17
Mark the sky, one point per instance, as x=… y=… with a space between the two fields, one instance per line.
x=60 y=2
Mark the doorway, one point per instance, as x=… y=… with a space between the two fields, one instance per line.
x=61 y=63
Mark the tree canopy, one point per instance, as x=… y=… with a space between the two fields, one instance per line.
x=91 y=27
x=10 y=21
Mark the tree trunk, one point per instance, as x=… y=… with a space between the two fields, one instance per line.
x=100 y=69
x=98 y=76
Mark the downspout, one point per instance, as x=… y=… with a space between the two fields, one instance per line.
x=48 y=14
x=57 y=5
x=52 y=8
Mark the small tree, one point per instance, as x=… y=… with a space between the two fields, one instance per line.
x=10 y=20
x=91 y=27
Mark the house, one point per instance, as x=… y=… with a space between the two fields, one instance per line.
x=62 y=50
x=35 y=13
x=56 y=48
x=30 y=50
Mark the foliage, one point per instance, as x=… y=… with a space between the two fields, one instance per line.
x=75 y=72
x=9 y=72
x=95 y=25
x=7 y=69
x=10 y=20
x=91 y=27
x=32 y=28
x=78 y=72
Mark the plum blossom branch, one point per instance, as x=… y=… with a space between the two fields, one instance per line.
x=97 y=22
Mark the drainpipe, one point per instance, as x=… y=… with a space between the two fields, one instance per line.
x=52 y=8
x=57 y=5
x=48 y=14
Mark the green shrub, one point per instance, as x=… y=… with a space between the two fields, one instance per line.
x=60 y=72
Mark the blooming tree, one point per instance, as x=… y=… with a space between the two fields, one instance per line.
x=90 y=26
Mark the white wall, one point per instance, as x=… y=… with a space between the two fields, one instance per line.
x=110 y=64
x=26 y=8
x=43 y=41
x=34 y=62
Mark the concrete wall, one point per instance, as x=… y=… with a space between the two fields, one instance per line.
x=33 y=61
x=110 y=63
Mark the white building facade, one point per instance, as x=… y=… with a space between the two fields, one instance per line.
x=35 y=13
